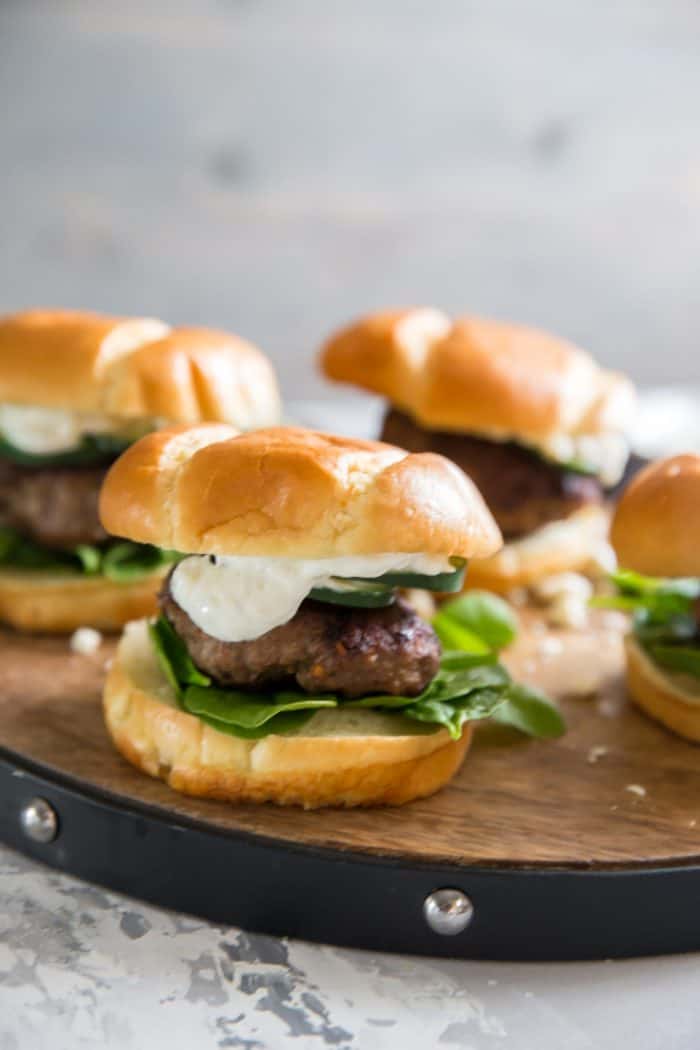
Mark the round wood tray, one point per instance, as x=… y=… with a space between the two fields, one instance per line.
x=579 y=848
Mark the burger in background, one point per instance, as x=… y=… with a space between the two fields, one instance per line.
x=532 y=419
x=655 y=532
x=76 y=389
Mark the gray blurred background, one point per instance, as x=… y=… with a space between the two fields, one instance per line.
x=278 y=167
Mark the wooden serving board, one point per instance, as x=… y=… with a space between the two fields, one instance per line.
x=617 y=792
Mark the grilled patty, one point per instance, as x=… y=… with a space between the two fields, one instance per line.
x=522 y=490
x=55 y=506
x=324 y=648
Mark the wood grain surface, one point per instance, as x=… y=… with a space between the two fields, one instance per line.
x=516 y=802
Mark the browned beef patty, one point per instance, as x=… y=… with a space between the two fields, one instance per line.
x=55 y=506
x=325 y=648
x=523 y=491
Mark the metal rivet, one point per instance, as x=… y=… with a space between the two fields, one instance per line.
x=448 y=912
x=39 y=820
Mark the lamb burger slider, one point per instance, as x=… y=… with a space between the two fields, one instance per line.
x=531 y=418
x=655 y=533
x=75 y=390
x=284 y=666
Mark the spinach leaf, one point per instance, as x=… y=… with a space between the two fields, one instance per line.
x=453 y=713
x=173 y=657
x=237 y=707
x=453 y=636
x=117 y=560
x=448 y=684
x=126 y=561
x=531 y=711
x=677 y=658
x=285 y=722
x=94 y=448
x=480 y=615
x=654 y=601
x=468 y=686
x=89 y=558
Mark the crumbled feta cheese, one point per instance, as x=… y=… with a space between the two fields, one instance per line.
x=85 y=640
x=602 y=560
x=562 y=583
x=636 y=789
x=568 y=610
x=596 y=753
x=567 y=595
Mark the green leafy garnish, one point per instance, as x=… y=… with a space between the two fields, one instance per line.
x=118 y=560
x=531 y=711
x=482 y=703
x=284 y=722
x=664 y=623
x=94 y=448
x=476 y=621
x=125 y=561
x=658 y=599
x=677 y=658
x=453 y=636
x=450 y=684
x=470 y=685
x=241 y=709
x=173 y=657
x=89 y=557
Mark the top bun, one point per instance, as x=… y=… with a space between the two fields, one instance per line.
x=657 y=522
x=479 y=376
x=294 y=493
x=134 y=368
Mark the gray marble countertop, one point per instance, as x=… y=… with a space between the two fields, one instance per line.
x=81 y=968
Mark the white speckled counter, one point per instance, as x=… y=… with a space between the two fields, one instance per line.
x=81 y=968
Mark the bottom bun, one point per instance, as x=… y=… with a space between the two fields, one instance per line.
x=50 y=603
x=350 y=757
x=571 y=545
x=670 y=698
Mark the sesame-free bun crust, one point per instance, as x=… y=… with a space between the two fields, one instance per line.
x=656 y=527
x=134 y=368
x=671 y=699
x=357 y=758
x=43 y=603
x=479 y=376
x=570 y=545
x=291 y=492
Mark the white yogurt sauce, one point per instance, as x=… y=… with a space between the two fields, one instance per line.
x=44 y=431
x=606 y=454
x=236 y=599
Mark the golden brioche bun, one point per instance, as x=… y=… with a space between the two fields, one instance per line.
x=47 y=603
x=479 y=376
x=350 y=758
x=569 y=545
x=134 y=368
x=656 y=525
x=293 y=493
x=670 y=698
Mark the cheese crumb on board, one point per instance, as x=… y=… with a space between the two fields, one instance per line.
x=636 y=789
x=596 y=753
x=85 y=641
